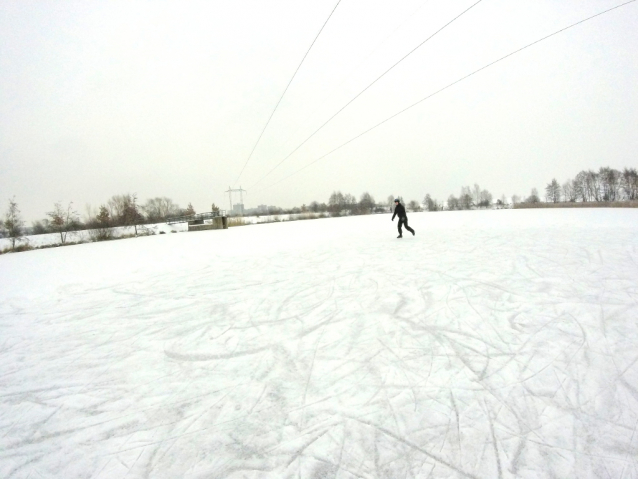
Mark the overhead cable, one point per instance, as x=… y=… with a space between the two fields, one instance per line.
x=285 y=90
x=365 y=89
x=449 y=86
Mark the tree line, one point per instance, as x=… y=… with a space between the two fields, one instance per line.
x=607 y=184
x=119 y=210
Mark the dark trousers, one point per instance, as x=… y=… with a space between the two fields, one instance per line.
x=404 y=221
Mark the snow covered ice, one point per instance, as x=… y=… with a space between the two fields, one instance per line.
x=491 y=344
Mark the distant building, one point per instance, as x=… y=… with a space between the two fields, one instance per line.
x=238 y=209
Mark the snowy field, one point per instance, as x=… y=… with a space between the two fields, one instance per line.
x=492 y=344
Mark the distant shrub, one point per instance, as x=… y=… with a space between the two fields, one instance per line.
x=100 y=234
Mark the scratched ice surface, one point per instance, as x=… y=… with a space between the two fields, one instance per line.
x=492 y=344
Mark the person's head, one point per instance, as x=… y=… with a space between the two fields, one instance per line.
x=396 y=202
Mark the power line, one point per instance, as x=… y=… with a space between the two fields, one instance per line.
x=285 y=90
x=356 y=67
x=449 y=86
x=365 y=89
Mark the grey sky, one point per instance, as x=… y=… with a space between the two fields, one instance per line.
x=168 y=98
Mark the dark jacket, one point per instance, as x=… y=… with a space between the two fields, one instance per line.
x=399 y=210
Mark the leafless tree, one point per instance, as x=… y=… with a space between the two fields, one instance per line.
x=349 y=200
x=552 y=191
x=465 y=200
x=63 y=220
x=116 y=205
x=453 y=203
x=366 y=203
x=476 y=194
x=610 y=183
x=569 y=192
x=160 y=208
x=516 y=199
x=629 y=182
x=430 y=204
x=336 y=202
x=592 y=181
x=533 y=197
x=413 y=205
x=485 y=199
x=13 y=223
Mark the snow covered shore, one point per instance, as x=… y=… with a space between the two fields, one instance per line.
x=491 y=344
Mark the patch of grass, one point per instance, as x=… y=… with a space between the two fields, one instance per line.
x=17 y=249
x=236 y=221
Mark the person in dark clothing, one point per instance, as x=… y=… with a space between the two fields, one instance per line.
x=399 y=210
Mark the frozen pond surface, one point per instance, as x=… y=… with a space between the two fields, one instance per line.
x=492 y=344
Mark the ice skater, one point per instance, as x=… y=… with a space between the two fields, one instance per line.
x=399 y=209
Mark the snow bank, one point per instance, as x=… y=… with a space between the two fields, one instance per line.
x=492 y=344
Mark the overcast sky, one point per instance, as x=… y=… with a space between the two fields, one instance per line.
x=168 y=98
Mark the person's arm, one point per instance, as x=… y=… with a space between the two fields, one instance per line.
x=395 y=213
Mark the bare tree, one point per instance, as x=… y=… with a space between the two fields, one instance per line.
x=366 y=203
x=516 y=199
x=592 y=182
x=610 y=183
x=413 y=205
x=485 y=199
x=453 y=203
x=117 y=205
x=13 y=223
x=349 y=201
x=629 y=183
x=214 y=208
x=63 y=220
x=158 y=209
x=533 y=197
x=552 y=191
x=476 y=194
x=569 y=192
x=335 y=202
x=430 y=204
x=465 y=200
